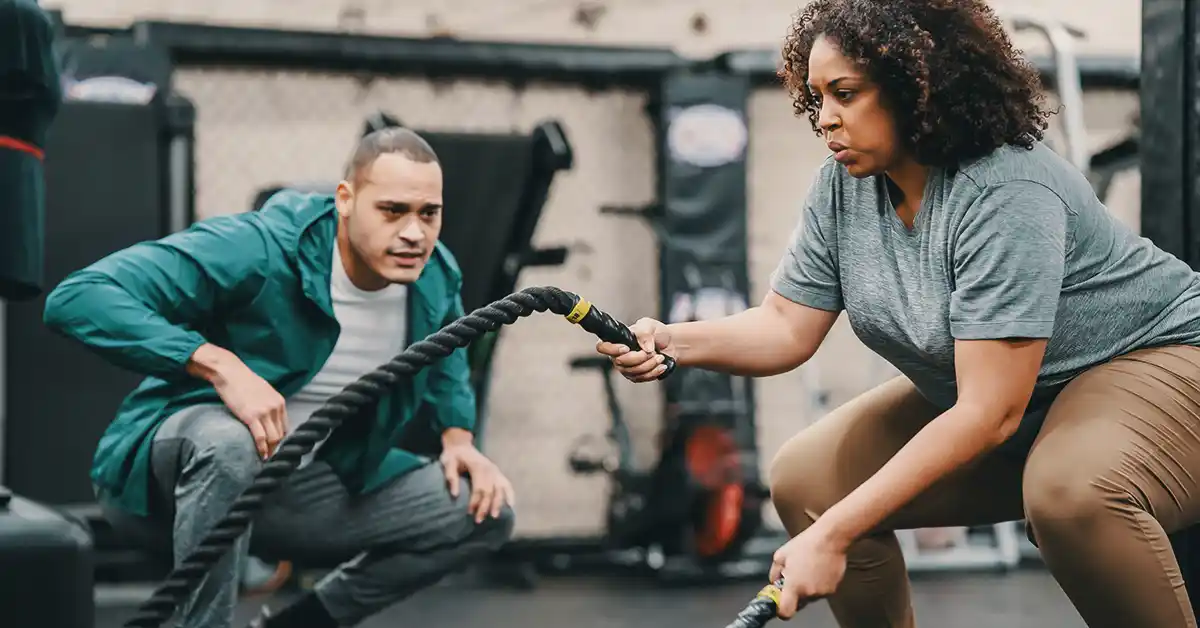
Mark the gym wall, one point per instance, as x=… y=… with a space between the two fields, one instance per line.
x=692 y=27
x=259 y=128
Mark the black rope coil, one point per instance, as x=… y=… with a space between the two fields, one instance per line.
x=357 y=396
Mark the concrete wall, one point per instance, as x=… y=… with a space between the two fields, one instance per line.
x=256 y=128
x=692 y=26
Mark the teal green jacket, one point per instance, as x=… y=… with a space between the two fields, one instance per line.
x=256 y=284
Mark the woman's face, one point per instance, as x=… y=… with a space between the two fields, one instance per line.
x=857 y=126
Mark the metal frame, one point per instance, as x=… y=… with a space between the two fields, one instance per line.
x=1067 y=81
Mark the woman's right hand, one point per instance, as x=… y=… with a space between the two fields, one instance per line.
x=643 y=363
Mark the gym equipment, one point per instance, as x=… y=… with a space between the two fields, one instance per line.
x=98 y=202
x=710 y=444
x=761 y=609
x=1068 y=83
x=694 y=512
x=674 y=518
x=697 y=513
x=1121 y=156
x=1170 y=169
x=117 y=95
x=1170 y=127
x=44 y=557
x=364 y=392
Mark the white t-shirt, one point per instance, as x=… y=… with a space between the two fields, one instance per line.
x=374 y=330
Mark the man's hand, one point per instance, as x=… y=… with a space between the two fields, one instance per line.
x=250 y=398
x=490 y=490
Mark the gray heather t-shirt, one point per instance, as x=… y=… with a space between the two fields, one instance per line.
x=1015 y=244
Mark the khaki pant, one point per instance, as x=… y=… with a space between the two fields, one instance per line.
x=1115 y=469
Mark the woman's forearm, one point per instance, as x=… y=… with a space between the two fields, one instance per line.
x=757 y=342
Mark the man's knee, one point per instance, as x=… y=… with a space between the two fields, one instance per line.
x=220 y=445
x=494 y=532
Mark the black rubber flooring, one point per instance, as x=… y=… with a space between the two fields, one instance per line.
x=1026 y=598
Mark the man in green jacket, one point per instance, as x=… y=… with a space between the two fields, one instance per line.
x=244 y=325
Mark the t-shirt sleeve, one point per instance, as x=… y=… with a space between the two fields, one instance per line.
x=1009 y=255
x=808 y=272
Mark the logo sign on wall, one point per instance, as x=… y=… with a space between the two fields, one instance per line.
x=113 y=89
x=706 y=135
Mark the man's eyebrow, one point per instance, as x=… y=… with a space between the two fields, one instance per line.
x=383 y=202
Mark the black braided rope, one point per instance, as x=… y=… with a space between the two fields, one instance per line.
x=760 y=610
x=357 y=396
x=756 y=614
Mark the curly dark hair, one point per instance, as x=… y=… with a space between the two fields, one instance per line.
x=946 y=68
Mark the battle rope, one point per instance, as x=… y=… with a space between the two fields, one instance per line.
x=364 y=392
x=761 y=609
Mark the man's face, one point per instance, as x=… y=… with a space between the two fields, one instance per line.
x=391 y=219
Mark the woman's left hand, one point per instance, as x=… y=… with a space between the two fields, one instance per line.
x=812 y=567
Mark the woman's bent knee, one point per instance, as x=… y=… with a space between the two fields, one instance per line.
x=1067 y=502
x=1063 y=501
x=798 y=483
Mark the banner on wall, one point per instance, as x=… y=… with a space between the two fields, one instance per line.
x=703 y=139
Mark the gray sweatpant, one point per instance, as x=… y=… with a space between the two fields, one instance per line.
x=388 y=544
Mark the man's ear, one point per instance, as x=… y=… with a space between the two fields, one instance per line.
x=343 y=198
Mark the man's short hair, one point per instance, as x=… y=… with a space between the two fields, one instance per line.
x=384 y=141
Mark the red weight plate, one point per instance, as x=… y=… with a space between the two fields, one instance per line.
x=712 y=461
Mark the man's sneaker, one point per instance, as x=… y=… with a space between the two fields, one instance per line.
x=261 y=578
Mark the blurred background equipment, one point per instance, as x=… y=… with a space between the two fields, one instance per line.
x=692 y=512
x=1169 y=143
x=121 y=173
x=44 y=556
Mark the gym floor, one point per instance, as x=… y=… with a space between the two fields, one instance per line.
x=1028 y=598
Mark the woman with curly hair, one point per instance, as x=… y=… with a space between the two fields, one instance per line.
x=1050 y=357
